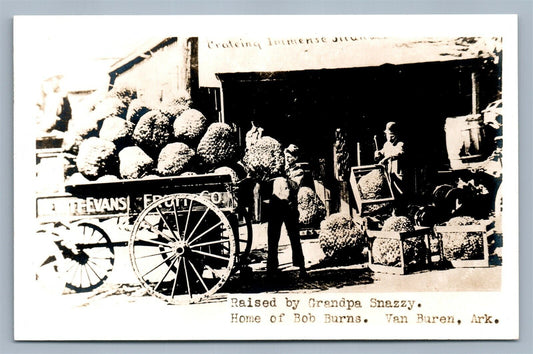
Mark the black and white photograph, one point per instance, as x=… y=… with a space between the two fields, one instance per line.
x=265 y=177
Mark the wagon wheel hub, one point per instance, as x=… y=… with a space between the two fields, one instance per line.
x=81 y=258
x=179 y=248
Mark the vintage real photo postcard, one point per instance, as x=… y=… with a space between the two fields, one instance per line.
x=265 y=177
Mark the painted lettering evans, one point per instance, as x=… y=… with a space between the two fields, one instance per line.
x=70 y=206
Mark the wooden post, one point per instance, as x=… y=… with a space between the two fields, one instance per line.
x=358 y=154
x=345 y=198
x=188 y=66
x=324 y=194
x=320 y=186
x=257 y=202
x=221 y=115
x=475 y=93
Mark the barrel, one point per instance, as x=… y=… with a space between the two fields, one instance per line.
x=464 y=140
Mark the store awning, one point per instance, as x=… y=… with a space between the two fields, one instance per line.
x=238 y=55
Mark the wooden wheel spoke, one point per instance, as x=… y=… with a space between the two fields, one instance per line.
x=176 y=278
x=211 y=255
x=217 y=242
x=84 y=233
x=154 y=229
x=99 y=266
x=198 y=275
x=154 y=254
x=92 y=234
x=72 y=266
x=154 y=242
x=87 y=274
x=187 y=279
x=187 y=220
x=197 y=224
x=166 y=223
x=159 y=265
x=206 y=232
x=176 y=219
x=80 y=275
x=166 y=273
x=73 y=275
x=95 y=273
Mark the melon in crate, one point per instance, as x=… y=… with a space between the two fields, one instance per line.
x=399 y=247
x=371 y=189
x=465 y=241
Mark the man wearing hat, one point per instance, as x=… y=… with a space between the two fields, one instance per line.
x=284 y=210
x=392 y=156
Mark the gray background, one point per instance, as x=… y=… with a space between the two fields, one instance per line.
x=10 y=8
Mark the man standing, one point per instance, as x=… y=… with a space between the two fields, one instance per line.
x=283 y=209
x=55 y=106
x=392 y=156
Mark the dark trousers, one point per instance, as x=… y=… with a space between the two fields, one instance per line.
x=280 y=212
x=401 y=188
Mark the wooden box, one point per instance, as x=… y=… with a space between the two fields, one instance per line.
x=364 y=205
x=409 y=251
x=480 y=236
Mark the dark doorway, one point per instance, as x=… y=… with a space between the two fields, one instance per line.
x=305 y=107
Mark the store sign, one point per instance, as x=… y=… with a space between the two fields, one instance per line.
x=68 y=206
x=73 y=206
x=220 y=199
x=270 y=54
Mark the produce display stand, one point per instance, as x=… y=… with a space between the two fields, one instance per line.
x=421 y=234
x=188 y=233
x=484 y=231
x=363 y=203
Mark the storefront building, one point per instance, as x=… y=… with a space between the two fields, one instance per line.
x=301 y=90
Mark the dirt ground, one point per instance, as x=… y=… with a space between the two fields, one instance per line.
x=323 y=276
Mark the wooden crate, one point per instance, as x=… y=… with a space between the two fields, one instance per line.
x=423 y=234
x=362 y=203
x=484 y=231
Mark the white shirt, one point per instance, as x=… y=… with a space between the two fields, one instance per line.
x=392 y=152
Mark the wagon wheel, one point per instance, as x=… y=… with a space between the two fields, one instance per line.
x=89 y=256
x=188 y=259
x=48 y=263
